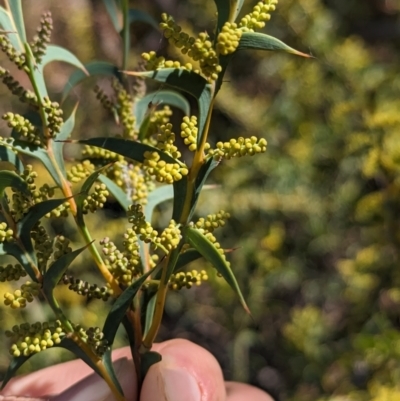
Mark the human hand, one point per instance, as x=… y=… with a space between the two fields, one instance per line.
x=187 y=372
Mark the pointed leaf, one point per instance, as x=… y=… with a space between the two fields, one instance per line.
x=56 y=271
x=8 y=155
x=116 y=191
x=73 y=347
x=13 y=180
x=7 y=24
x=93 y=68
x=236 y=7
x=187 y=81
x=25 y=225
x=201 y=178
x=57 y=53
x=11 y=248
x=199 y=241
x=36 y=152
x=159 y=195
x=151 y=304
x=141 y=16
x=58 y=145
x=108 y=364
x=18 y=18
x=168 y=97
x=261 y=41
x=15 y=364
x=223 y=13
x=180 y=189
x=121 y=305
x=112 y=9
x=88 y=183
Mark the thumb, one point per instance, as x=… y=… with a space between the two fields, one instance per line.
x=186 y=372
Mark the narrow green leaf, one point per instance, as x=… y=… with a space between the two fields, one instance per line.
x=13 y=180
x=38 y=153
x=147 y=361
x=18 y=17
x=73 y=347
x=159 y=195
x=11 y=248
x=120 y=307
x=25 y=225
x=116 y=191
x=57 y=53
x=187 y=81
x=7 y=24
x=151 y=304
x=93 y=68
x=8 y=155
x=207 y=249
x=55 y=273
x=36 y=71
x=201 y=178
x=141 y=16
x=171 y=98
x=112 y=9
x=64 y=134
x=223 y=13
x=14 y=365
x=125 y=147
x=236 y=6
x=261 y=41
x=108 y=364
x=88 y=183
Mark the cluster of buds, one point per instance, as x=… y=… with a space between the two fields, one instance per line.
x=23 y=127
x=54 y=116
x=140 y=226
x=158 y=118
x=61 y=247
x=199 y=49
x=43 y=246
x=132 y=180
x=155 y=63
x=42 y=37
x=96 y=199
x=187 y=279
x=170 y=237
x=122 y=265
x=189 y=132
x=21 y=202
x=80 y=171
x=93 y=152
x=31 y=339
x=94 y=337
x=104 y=99
x=166 y=141
x=20 y=297
x=13 y=54
x=212 y=221
x=161 y=170
x=260 y=14
x=81 y=287
x=60 y=211
x=229 y=38
x=124 y=109
x=6 y=234
x=11 y=272
x=238 y=148
x=16 y=89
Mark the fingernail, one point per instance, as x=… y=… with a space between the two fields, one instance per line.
x=180 y=385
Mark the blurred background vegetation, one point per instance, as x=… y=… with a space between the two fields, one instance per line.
x=315 y=221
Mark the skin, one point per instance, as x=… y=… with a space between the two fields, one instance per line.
x=187 y=372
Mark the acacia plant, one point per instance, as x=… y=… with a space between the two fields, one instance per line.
x=139 y=164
